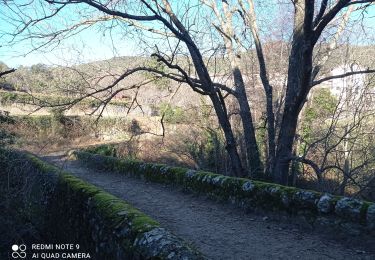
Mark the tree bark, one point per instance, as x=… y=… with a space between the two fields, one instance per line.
x=231 y=146
x=252 y=151
x=209 y=88
x=3 y=73
x=298 y=86
x=225 y=28
x=250 y=19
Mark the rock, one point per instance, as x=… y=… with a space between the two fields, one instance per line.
x=143 y=166
x=349 y=208
x=265 y=218
x=248 y=186
x=325 y=221
x=350 y=228
x=285 y=200
x=122 y=213
x=190 y=173
x=326 y=204
x=164 y=169
x=273 y=190
x=370 y=217
x=207 y=178
x=217 y=180
x=159 y=243
x=305 y=199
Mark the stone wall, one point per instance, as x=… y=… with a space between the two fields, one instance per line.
x=68 y=210
x=343 y=213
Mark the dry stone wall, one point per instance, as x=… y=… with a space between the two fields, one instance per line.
x=68 y=210
x=343 y=213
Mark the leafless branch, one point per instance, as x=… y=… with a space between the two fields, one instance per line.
x=317 y=82
x=3 y=73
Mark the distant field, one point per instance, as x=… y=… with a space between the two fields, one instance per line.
x=11 y=97
x=20 y=103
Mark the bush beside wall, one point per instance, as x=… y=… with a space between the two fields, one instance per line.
x=69 y=210
x=348 y=214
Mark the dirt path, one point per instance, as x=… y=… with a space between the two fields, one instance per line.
x=218 y=231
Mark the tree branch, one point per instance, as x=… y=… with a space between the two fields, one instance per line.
x=308 y=162
x=320 y=24
x=106 y=10
x=322 y=10
x=3 y=73
x=317 y=82
x=327 y=18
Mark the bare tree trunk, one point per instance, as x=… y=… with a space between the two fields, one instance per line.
x=271 y=131
x=220 y=109
x=231 y=147
x=225 y=28
x=250 y=19
x=346 y=171
x=252 y=151
x=285 y=146
x=214 y=93
x=346 y=174
x=298 y=86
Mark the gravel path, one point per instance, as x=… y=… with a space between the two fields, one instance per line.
x=219 y=231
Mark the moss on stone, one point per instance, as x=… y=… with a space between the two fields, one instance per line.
x=364 y=209
x=242 y=191
x=100 y=222
x=78 y=185
x=112 y=209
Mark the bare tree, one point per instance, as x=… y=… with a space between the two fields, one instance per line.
x=225 y=27
x=249 y=18
x=307 y=29
x=161 y=14
x=338 y=145
x=183 y=38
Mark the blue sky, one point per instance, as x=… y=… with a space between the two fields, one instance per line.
x=89 y=45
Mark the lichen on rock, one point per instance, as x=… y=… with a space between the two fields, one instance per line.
x=349 y=208
x=164 y=169
x=248 y=186
x=326 y=203
x=190 y=173
x=159 y=243
x=305 y=199
x=218 y=180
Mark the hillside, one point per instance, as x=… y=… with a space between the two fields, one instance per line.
x=63 y=83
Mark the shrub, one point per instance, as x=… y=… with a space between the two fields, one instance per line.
x=172 y=114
